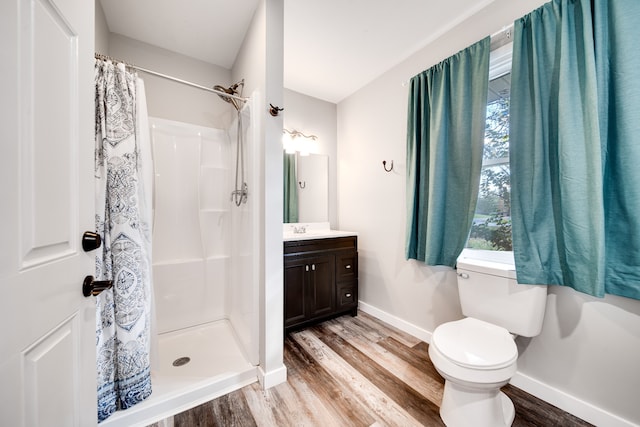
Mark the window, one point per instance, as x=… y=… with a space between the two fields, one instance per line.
x=491 y=228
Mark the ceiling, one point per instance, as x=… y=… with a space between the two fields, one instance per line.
x=332 y=48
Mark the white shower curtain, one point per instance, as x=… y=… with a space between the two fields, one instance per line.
x=123 y=219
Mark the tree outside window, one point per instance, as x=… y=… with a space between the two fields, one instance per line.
x=491 y=228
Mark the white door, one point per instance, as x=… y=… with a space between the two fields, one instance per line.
x=47 y=327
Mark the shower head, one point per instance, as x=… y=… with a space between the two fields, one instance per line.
x=231 y=90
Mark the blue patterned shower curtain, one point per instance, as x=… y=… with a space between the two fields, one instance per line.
x=123 y=220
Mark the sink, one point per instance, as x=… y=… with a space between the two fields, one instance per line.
x=311 y=231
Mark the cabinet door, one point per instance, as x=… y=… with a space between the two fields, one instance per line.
x=322 y=289
x=309 y=288
x=295 y=291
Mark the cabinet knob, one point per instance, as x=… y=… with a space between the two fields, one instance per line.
x=313 y=267
x=306 y=267
x=347 y=295
x=347 y=266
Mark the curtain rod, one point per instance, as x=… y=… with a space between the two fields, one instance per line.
x=506 y=30
x=165 y=76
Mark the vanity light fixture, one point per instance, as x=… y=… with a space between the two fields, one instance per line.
x=294 y=140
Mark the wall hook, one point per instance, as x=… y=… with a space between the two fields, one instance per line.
x=274 y=110
x=384 y=165
x=302 y=184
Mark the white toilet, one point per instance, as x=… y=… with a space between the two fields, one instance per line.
x=477 y=355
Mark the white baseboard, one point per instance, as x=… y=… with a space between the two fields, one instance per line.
x=399 y=323
x=273 y=377
x=568 y=403
x=549 y=394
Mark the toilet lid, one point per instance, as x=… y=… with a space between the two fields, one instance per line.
x=476 y=344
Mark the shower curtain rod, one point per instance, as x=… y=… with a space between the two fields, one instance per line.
x=165 y=76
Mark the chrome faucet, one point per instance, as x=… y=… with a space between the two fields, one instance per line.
x=300 y=230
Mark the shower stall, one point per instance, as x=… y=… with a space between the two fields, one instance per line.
x=204 y=266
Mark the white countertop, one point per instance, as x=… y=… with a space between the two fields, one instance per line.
x=309 y=231
x=327 y=234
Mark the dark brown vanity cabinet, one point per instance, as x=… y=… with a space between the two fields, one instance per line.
x=320 y=279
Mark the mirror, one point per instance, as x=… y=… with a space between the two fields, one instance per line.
x=312 y=177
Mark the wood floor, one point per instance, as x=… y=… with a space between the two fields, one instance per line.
x=352 y=371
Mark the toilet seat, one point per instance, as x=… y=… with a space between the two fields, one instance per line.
x=475 y=344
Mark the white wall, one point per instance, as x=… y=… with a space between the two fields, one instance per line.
x=101 y=30
x=588 y=350
x=167 y=99
x=585 y=359
x=313 y=116
x=259 y=62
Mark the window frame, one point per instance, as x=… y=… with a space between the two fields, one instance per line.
x=499 y=65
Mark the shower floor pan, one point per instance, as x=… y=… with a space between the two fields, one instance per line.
x=216 y=366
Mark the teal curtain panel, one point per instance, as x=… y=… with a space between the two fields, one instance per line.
x=556 y=170
x=445 y=131
x=575 y=146
x=290 y=189
x=617 y=33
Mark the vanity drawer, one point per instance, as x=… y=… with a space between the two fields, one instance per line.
x=347 y=295
x=346 y=266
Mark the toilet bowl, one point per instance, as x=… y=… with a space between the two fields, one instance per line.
x=476 y=359
x=477 y=355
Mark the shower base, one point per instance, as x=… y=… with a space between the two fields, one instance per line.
x=216 y=366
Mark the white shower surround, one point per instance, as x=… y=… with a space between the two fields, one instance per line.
x=202 y=242
x=204 y=267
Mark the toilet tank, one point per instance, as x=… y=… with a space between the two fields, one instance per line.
x=489 y=291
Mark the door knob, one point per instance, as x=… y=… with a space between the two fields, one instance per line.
x=94 y=287
x=90 y=241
